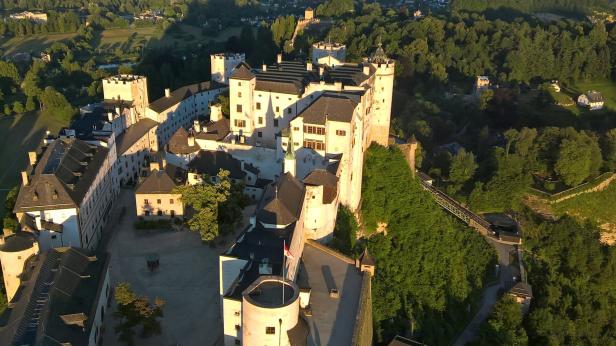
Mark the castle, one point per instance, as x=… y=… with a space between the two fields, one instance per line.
x=295 y=136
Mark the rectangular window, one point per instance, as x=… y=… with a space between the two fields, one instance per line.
x=340 y=133
x=158 y=201
x=260 y=134
x=171 y=201
x=260 y=120
x=238 y=108
x=240 y=123
x=296 y=128
x=314 y=130
x=275 y=122
x=277 y=109
x=239 y=94
x=289 y=110
x=316 y=145
x=145 y=201
x=258 y=105
x=270 y=330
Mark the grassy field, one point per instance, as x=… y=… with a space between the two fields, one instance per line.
x=18 y=135
x=32 y=43
x=597 y=206
x=127 y=39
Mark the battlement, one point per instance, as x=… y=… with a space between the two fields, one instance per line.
x=123 y=78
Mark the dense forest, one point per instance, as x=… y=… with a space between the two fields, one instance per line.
x=529 y=5
x=429 y=266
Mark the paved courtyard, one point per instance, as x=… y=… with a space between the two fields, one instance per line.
x=187 y=279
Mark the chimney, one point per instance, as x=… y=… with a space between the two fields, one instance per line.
x=197 y=126
x=24 y=178
x=191 y=141
x=264 y=67
x=154 y=166
x=110 y=116
x=164 y=161
x=279 y=58
x=167 y=92
x=321 y=71
x=338 y=86
x=215 y=112
x=366 y=70
x=32 y=158
x=309 y=66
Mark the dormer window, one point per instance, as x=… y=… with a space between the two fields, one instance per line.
x=35 y=197
x=55 y=194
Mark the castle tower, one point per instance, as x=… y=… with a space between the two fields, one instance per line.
x=289 y=157
x=222 y=65
x=241 y=93
x=130 y=88
x=267 y=314
x=14 y=252
x=383 y=95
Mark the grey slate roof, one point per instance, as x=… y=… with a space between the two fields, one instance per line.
x=216 y=130
x=59 y=283
x=134 y=133
x=329 y=181
x=183 y=93
x=282 y=201
x=332 y=106
x=162 y=181
x=62 y=175
x=178 y=143
x=211 y=162
x=242 y=72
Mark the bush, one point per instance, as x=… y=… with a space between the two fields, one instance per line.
x=345 y=232
x=18 y=107
x=549 y=186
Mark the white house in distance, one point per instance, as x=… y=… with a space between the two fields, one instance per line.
x=592 y=99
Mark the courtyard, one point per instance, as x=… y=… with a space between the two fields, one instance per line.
x=187 y=278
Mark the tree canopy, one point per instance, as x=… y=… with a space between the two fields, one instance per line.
x=428 y=267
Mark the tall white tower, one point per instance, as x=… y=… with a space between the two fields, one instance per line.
x=222 y=65
x=289 y=157
x=242 y=84
x=383 y=95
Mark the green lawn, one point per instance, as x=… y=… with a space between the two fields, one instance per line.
x=125 y=38
x=33 y=43
x=18 y=135
x=597 y=206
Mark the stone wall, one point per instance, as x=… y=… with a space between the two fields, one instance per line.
x=362 y=333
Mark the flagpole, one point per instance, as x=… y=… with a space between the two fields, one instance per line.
x=284 y=260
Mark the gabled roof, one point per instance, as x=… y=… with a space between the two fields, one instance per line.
x=62 y=176
x=242 y=71
x=58 y=300
x=282 y=201
x=211 y=162
x=162 y=181
x=522 y=289
x=332 y=106
x=320 y=177
x=183 y=93
x=178 y=143
x=134 y=133
x=215 y=131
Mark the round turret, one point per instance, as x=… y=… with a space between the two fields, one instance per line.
x=268 y=313
x=14 y=252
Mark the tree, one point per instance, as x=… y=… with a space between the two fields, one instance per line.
x=573 y=164
x=345 y=230
x=30 y=105
x=504 y=326
x=134 y=311
x=56 y=105
x=462 y=168
x=217 y=205
x=609 y=150
x=18 y=107
x=511 y=135
x=428 y=265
